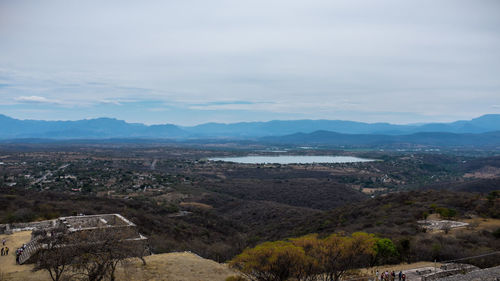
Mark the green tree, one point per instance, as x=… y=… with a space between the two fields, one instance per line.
x=446 y=212
x=496 y=233
x=385 y=251
x=404 y=249
x=492 y=196
x=425 y=215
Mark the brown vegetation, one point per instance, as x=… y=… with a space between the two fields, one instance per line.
x=234 y=206
x=308 y=258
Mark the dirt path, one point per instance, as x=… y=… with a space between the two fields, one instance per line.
x=397 y=267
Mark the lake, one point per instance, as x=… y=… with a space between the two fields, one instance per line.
x=291 y=159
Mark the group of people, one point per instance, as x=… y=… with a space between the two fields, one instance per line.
x=390 y=276
x=5 y=249
x=19 y=252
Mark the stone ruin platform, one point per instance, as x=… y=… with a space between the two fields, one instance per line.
x=487 y=274
x=104 y=223
x=80 y=223
x=441 y=224
x=438 y=273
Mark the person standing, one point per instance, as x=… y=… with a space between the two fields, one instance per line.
x=6 y=251
x=18 y=254
x=400 y=275
x=1 y=251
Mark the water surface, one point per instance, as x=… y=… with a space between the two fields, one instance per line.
x=291 y=159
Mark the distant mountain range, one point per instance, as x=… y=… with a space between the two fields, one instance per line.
x=100 y=128
x=483 y=124
x=479 y=130
x=322 y=138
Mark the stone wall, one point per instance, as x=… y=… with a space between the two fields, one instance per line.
x=487 y=274
x=15 y=227
x=95 y=229
x=450 y=270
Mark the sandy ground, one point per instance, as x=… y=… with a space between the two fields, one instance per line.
x=172 y=266
x=8 y=264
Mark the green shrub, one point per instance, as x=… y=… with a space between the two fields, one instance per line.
x=446 y=212
x=496 y=233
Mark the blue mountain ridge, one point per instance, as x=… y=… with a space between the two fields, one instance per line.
x=104 y=128
x=327 y=138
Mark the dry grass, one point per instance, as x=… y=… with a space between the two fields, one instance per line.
x=486 y=172
x=369 y=191
x=175 y=267
x=485 y=224
x=195 y=205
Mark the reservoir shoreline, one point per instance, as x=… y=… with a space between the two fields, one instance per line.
x=291 y=159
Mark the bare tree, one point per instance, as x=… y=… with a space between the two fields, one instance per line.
x=88 y=255
x=446 y=227
x=56 y=257
x=104 y=250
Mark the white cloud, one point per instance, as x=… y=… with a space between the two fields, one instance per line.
x=158 y=109
x=115 y=102
x=283 y=56
x=36 y=99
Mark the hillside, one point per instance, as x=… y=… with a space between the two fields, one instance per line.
x=223 y=226
x=183 y=266
x=216 y=209
x=395 y=215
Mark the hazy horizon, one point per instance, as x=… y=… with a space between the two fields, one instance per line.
x=194 y=62
x=202 y=123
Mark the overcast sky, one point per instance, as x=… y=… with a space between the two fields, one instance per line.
x=189 y=62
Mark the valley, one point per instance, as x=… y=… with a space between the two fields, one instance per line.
x=182 y=201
